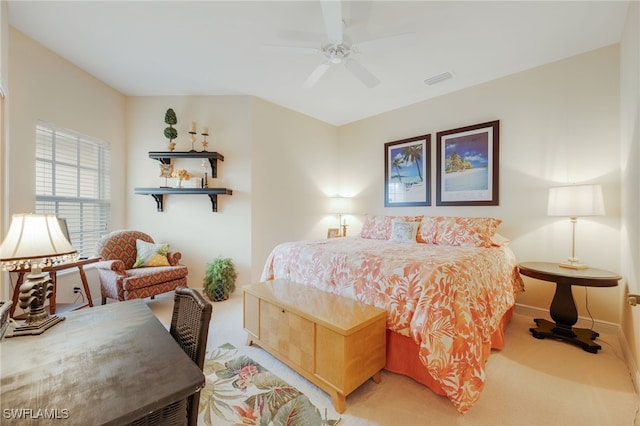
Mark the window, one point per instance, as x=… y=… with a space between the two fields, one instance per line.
x=72 y=182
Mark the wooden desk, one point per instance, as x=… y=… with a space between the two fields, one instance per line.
x=52 y=270
x=563 y=308
x=111 y=364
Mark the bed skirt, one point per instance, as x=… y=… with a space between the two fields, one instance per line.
x=402 y=355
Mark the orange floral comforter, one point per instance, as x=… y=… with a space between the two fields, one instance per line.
x=449 y=299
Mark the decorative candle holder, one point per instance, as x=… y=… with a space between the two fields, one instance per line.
x=205 y=181
x=204 y=142
x=193 y=140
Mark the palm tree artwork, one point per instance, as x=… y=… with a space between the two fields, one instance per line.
x=404 y=158
x=406 y=172
x=413 y=154
x=397 y=165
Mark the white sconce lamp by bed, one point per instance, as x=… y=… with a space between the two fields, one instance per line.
x=340 y=206
x=574 y=201
x=34 y=241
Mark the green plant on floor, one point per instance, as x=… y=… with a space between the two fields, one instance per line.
x=220 y=279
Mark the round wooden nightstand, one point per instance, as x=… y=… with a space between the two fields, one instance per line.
x=563 y=308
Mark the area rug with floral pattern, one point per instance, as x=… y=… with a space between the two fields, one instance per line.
x=239 y=391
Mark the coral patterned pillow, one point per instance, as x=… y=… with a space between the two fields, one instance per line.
x=465 y=231
x=427 y=230
x=150 y=254
x=379 y=227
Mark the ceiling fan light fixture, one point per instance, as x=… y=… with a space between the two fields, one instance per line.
x=439 y=78
x=336 y=53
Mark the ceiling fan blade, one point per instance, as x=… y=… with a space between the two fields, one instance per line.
x=315 y=76
x=362 y=73
x=332 y=12
x=382 y=43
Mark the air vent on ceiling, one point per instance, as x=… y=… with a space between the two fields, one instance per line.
x=438 y=78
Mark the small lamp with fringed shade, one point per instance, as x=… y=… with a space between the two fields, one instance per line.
x=575 y=201
x=35 y=241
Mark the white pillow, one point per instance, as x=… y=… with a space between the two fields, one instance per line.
x=404 y=232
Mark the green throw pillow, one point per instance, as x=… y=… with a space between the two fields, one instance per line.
x=150 y=254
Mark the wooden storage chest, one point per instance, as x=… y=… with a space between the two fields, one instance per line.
x=335 y=342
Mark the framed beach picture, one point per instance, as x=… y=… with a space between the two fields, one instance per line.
x=467 y=166
x=407 y=172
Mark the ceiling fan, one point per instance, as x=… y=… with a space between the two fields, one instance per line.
x=338 y=50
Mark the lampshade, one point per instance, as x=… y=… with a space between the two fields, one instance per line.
x=34 y=237
x=340 y=205
x=575 y=201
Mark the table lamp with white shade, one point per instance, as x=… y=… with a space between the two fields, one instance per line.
x=575 y=201
x=35 y=241
x=340 y=206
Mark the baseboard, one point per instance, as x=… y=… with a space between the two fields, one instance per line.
x=631 y=364
x=603 y=327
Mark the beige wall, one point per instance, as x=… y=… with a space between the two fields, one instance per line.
x=46 y=87
x=294 y=172
x=279 y=164
x=557 y=126
x=43 y=86
x=630 y=164
x=187 y=222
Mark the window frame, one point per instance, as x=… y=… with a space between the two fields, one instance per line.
x=88 y=217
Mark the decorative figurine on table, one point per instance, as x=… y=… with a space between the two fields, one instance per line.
x=169 y=132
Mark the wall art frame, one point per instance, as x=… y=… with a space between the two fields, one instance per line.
x=407 y=172
x=333 y=233
x=468 y=165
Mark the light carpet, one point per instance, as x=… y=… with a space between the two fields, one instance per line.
x=239 y=390
x=529 y=382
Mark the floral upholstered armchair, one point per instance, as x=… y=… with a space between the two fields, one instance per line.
x=132 y=266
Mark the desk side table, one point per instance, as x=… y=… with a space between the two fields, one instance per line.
x=110 y=365
x=563 y=307
x=52 y=270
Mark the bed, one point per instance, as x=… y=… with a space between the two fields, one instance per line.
x=448 y=285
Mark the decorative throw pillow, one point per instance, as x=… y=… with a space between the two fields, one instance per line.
x=404 y=232
x=427 y=230
x=374 y=228
x=465 y=231
x=379 y=227
x=149 y=254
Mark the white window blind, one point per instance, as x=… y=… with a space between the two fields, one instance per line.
x=73 y=182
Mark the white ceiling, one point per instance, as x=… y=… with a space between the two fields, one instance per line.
x=149 y=48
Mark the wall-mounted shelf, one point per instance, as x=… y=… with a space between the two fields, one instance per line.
x=158 y=193
x=165 y=157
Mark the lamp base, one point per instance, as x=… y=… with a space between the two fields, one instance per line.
x=573 y=265
x=34 y=328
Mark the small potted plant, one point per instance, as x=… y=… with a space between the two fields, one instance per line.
x=169 y=132
x=220 y=279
